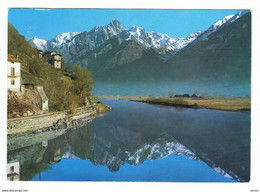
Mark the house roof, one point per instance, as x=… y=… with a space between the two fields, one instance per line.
x=50 y=52
x=14 y=58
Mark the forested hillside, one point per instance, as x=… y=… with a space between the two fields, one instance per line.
x=63 y=92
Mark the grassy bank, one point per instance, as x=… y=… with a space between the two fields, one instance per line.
x=229 y=104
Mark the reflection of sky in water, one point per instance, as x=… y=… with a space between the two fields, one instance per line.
x=182 y=169
x=134 y=133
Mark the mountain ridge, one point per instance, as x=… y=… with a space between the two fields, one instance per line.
x=118 y=55
x=146 y=39
x=155 y=39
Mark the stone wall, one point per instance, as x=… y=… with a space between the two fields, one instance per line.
x=27 y=131
x=33 y=123
x=50 y=121
x=24 y=103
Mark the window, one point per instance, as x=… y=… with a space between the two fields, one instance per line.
x=12 y=169
x=12 y=81
x=12 y=71
x=12 y=178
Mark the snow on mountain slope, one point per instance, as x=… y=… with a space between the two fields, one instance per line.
x=157 y=40
x=68 y=44
x=216 y=25
x=236 y=16
x=148 y=40
x=39 y=44
x=137 y=33
x=221 y=23
x=115 y=27
x=179 y=43
x=61 y=39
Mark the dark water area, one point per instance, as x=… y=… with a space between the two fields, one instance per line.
x=144 y=142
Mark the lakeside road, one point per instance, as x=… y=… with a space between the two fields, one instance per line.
x=53 y=120
x=26 y=131
x=225 y=103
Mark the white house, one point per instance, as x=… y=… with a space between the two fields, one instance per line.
x=13 y=73
x=13 y=170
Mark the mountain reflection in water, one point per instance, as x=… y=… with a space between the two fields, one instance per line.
x=135 y=132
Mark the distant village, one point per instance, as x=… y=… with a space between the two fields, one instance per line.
x=14 y=79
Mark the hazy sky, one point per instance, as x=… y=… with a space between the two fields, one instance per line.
x=46 y=24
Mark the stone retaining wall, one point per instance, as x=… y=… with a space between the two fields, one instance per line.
x=55 y=120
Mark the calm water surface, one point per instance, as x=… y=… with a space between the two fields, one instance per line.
x=144 y=142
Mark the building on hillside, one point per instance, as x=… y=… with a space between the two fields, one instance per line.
x=13 y=73
x=40 y=52
x=13 y=170
x=44 y=99
x=54 y=59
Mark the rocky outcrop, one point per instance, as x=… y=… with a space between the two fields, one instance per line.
x=31 y=100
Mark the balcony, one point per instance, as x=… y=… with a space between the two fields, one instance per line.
x=13 y=75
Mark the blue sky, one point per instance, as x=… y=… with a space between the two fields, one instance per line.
x=46 y=24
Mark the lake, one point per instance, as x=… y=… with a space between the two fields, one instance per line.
x=145 y=142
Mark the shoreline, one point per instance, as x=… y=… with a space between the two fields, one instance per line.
x=224 y=104
x=26 y=131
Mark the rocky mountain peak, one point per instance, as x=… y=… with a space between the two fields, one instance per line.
x=136 y=28
x=83 y=47
x=39 y=43
x=115 y=26
x=65 y=37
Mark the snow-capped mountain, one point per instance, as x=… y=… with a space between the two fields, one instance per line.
x=116 y=54
x=100 y=34
x=89 y=45
x=64 y=38
x=39 y=44
x=218 y=24
x=158 y=41
x=221 y=23
x=57 y=42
